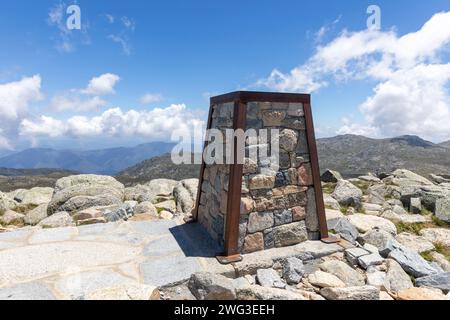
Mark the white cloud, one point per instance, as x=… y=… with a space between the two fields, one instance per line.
x=156 y=124
x=4 y=142
x=110 y=17
x=75 y=100
x=129 y=23
x=411 y=95
x=43 y=126
x=16 y=96
x=123 y=41
x=102 y=85
x=70 y=102
x=149 y=98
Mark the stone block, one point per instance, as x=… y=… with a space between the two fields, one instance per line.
x=290 y=234
x=269 y=241
x=261 y=182
x=304 y=175
x=353 y=254
x=282 y=217
x=369 y=260
x=259 y=221
x=296 y=110
x=273 y=118
x=298 y=214
x=254 y=242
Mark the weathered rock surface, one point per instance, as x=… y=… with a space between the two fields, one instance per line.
x=36 y=215
x=290 y=234
x=351 y=293
x=146 y=207
x=12 y=218
x=59 y=219
x=412 y=262
x=347 y=194
x=125 y=292
x=376 y=237
x=209 y=286
x=365 y=223
x=269 y=278
x=417 y=243
x=161 y=187
x=124 y=212
x=255 y=292
x=438 y=281
x=345 y=229
x=85 y=191
x=420 y=294
x=185 y=194
x=353 y=254
x=331 y=176
x=168 y=205
x=331 y=202
x=369 y=260
x=437 y=235
x=343 y=271
x=35 y=196
x=324 y=280
x=442 y=211
x=415 y=206
x=293 y=270
x=377 y=279
x=441 y=260
x=6 y=203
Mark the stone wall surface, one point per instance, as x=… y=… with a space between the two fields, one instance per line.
x=278 y=199
x=214 y=189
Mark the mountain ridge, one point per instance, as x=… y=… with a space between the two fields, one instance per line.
x=101 y=161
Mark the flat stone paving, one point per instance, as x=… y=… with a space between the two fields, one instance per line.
x=72 y=262
x=68 y=263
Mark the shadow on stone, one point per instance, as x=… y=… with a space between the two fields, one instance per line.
x=194 y=241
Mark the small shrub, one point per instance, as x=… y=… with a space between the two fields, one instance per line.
x=438 y=222
x=427 y=255
x=413 y=228
x=425 y=212
x=362 y=185
x=442 y=249
x=344 y=210
x=329 y=187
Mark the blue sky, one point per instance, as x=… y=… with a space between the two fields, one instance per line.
x=76 y=88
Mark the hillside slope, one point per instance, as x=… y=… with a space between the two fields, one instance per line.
x=356 y=155
x=349 y=154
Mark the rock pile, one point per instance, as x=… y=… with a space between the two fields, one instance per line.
x=396 y=244
x=88 y=199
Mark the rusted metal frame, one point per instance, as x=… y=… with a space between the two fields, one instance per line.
x=249 y=96
x=194 y=217
x=314 y=159
x=231 y=235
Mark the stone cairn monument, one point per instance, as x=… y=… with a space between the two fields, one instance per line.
x=274 y=200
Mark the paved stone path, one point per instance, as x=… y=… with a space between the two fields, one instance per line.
x=69 y=263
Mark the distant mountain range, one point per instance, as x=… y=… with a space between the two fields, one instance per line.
x=351 y=155
x=104 y=161
x=356 y=155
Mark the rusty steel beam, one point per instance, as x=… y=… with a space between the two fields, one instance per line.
x=314 y=160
